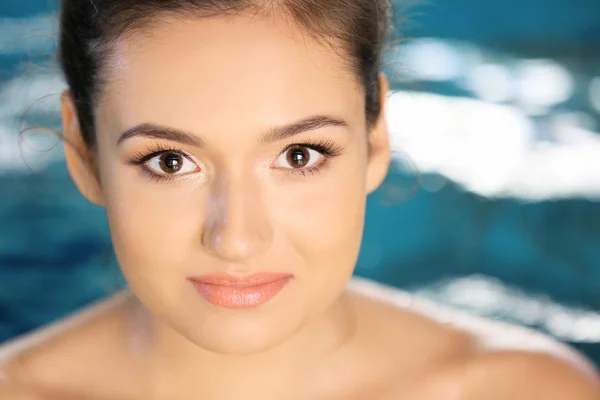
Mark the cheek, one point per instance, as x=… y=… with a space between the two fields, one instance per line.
x=323 y=222
x=324 y=218
x=153 y=225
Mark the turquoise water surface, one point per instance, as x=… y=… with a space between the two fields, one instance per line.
x=499 y=110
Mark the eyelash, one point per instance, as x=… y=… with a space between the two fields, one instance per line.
x=327 y=148
x=140 y=159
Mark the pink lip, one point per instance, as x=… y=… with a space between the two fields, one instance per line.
x=230 y=291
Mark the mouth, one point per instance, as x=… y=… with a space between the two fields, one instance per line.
x=248 y=291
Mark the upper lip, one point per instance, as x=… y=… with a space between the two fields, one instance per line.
x=224 y=279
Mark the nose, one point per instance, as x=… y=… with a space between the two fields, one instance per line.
x=237 y=226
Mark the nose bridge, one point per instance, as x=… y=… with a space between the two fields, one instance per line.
x=236 y=227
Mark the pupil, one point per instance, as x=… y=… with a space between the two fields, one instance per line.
x=171 y=163
x=298 y=157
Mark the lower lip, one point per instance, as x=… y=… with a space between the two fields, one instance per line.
x=238 y=296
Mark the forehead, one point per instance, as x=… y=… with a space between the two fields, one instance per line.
x=221 y=73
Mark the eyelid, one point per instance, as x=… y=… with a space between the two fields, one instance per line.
x=141 y=160
x=155 y=150
x=197 y=168
x=315 y=164
x=326 y=147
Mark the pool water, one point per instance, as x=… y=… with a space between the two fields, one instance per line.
x=507 y=227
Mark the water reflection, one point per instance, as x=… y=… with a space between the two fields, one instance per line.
x=507 y=128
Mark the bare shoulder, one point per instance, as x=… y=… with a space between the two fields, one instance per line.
x=486 y=360
x=397 y=348
x=523 y=375
x=19 y=392
x=59 y=355
x=410 y=336
x=16 y=391
x=502 y=376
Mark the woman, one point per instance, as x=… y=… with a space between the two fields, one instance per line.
x=233 y=144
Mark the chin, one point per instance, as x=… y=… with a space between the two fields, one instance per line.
x=231 y=335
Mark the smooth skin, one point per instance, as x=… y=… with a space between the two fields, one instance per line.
x=238 y=205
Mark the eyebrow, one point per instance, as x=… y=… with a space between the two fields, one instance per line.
x=160 y=132
x=304 y=125
x=155 y=131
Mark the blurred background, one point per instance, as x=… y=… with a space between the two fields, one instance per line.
x=496 y=105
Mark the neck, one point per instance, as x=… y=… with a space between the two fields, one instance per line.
x=182 y=367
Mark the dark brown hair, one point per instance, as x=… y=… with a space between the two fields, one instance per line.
x=88 y=27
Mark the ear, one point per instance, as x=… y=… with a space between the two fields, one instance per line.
x=79 y=158
x=379 y=144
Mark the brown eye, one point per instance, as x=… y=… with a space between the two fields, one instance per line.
x=171 y=163
x=298 y=157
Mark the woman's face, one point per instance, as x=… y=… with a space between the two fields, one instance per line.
x=246 y=152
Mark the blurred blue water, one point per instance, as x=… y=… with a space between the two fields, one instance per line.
x=54 y=248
